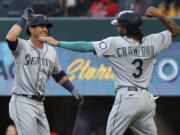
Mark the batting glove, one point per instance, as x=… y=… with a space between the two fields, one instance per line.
x=78 y=96
x=28 y=14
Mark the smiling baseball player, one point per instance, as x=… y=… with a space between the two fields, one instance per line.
x=131 y=56
x=35 y=63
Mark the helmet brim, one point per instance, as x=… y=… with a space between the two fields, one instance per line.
x=114 y=22
x=48 y=25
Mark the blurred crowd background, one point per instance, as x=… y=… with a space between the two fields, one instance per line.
x=89 y=8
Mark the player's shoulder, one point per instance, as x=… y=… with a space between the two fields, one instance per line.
x=25 y=43
x=23 y=40
x=154 y=35
x=50 y=48
x=113 y=38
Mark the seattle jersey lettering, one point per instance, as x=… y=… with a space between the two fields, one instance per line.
x=144 y=51
x=29 y=60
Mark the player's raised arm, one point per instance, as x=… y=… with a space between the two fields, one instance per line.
x=14 y=32
x=78 y=46
x=17 y=28
x=170 y=24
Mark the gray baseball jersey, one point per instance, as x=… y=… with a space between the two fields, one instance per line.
x=33 y=67
x=131 y=62
x=132 y=65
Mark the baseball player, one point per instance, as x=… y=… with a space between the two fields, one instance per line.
x=35 y=63
x=131 y=56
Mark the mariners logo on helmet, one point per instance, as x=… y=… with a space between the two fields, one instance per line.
x=130 y=20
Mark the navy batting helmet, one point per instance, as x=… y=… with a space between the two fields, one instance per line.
x=39 y=19
x=130 y=20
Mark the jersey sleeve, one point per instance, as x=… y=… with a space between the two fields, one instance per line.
x=57 y=68
x=103 y=47
x=19 y=48
x=162 y=40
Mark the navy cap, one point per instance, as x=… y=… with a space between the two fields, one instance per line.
x=39 y=19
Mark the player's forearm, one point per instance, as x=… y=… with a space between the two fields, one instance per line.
x=78 y=46
x=63 y=80
x=15 y=31
x=171 y=25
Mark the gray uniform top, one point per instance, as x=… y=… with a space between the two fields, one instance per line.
x=131 y=62
x=33 y=67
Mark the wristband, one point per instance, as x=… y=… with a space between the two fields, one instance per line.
x=21 y=22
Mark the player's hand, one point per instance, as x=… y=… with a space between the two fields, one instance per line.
x=78 y=96
x=28 y=14
x=50 y=40
x=152 y=12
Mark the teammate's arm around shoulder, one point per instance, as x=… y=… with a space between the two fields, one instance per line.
x=170 y=24
x=16 y=29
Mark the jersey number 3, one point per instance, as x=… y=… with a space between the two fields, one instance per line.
x=138 y=63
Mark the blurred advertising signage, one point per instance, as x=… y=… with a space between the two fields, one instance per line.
x=94 y=76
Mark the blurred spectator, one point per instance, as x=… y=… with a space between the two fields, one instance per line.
x=138 y=6
x=11 y=130
x=46 y=7
x=14 y=8
x=71 y=7
x=62 y=7
x=170 y=8
x=54 y=133
x=103 y=8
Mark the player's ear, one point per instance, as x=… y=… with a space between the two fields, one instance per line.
x=30 y=29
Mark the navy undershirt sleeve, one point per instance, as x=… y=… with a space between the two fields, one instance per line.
x=12 y=44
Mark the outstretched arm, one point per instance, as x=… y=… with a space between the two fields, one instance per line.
x=79 y=46
x=170 y=24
